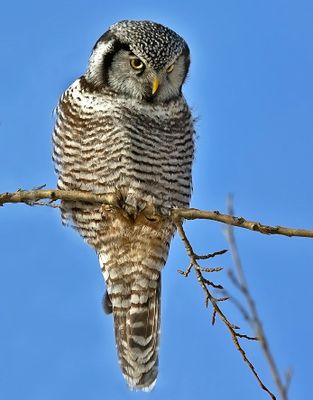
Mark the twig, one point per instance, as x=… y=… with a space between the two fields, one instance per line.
x=237 y=304
x=204 y=283
x=241 y=283
x=23 y=196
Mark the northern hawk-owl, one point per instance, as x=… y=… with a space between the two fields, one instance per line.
x=124 y=129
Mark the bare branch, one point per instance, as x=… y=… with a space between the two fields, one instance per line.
x=193 y=213
x=209 y=298
x=31 y=197
x=253 y=318
x=238 y=305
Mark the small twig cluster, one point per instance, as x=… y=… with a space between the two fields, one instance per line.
x=214 y=301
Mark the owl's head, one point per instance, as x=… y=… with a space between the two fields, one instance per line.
x=140 y=59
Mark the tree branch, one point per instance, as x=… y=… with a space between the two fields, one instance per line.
x=209 y=298
x=253 y=318
x=193 y=213
x=32 y=197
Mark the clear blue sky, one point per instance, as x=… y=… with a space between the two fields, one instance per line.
x=251 y=86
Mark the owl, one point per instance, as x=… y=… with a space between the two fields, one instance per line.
x=124 y=129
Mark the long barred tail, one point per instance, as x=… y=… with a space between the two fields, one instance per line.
x=131 y=258
x=136 y=310
x=137 y=332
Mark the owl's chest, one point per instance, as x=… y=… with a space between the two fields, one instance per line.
x=132 y=136
x=142 y=152
x=145 y=150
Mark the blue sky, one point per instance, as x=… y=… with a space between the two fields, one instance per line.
x=251 y=87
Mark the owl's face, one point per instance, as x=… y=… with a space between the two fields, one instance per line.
x=141 y=60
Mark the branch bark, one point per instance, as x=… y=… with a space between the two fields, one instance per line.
x=239 y=279
x=32 y=197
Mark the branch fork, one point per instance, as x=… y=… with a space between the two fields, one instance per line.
x=210 y=299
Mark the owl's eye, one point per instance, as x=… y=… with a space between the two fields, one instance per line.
x=170 y=68
x=136 y=64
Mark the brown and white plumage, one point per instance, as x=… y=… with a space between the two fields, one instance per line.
x=119 y=132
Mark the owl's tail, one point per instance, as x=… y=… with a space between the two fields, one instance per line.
x=136 y=310
x=137 y=335
x=132 y=257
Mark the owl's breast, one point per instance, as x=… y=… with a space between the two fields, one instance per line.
x=106 y=144
x=155 y=161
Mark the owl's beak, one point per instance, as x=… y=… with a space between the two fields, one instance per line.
x=155 y=86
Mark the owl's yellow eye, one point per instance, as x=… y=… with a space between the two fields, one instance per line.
x=170 y=68
x=136 y=64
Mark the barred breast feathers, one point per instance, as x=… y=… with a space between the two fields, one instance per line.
x=102 y=142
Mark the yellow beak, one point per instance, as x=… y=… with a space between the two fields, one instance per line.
x=155 y=86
